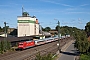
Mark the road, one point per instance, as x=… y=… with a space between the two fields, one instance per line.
x=69 y=53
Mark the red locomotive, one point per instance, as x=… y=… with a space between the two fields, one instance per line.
x=26 y=44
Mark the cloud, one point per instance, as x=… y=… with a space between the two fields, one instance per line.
x=50 y=1
x=14 y=4
x=44 y=11
x=66 y=5
x=4 y=5
x=77 y=12
x=84 y=5
x=9 y=5
x=56 y=3
x=69 y=9
x=41 y=12
x=56 y=11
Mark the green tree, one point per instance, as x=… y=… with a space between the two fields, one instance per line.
x=1 y=46
x=8 y=45
x=87 y=28
x=6 y=28
x=4 y=46
x=65 y=30
x=43 y=29
x=47 y=29
x=1 y=30
x=81 y=43
x=57 y=27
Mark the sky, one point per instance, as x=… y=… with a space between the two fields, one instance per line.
x=72 y=13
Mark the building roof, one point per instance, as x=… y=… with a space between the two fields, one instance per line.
x=53 y=31
x=11 y=39
x=46 y=33
x=2 y=33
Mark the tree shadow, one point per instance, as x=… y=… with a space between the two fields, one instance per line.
x=76 y=51
x=69 y=53
x=73 y=43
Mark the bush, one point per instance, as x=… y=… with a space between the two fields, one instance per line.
x=85 y=56
x=46 y=57
x=4 y=46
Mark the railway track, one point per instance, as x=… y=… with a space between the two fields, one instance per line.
x=29 y=54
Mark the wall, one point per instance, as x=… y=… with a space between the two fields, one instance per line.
x=26 y=26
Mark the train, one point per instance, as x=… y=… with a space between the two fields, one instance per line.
x=32 y=43
x=26 y=44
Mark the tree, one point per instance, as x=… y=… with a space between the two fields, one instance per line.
x=47 y=29
x=87 y=29
x=4 y=46
x=57 y=27
x=0 y=27
x=65 y=30
x=6 y=28
x=1 y=30
x=43 y=29
x=8 y=45
x=1 y=46
x=81 y=42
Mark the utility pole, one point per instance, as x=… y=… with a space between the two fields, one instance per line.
x=58 y=44
x=59 y=36
x=5 y=29
x=5 y=41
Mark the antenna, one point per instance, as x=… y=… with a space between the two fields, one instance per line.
x=22 y=10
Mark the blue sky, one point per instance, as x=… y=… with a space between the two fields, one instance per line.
x=74 y=13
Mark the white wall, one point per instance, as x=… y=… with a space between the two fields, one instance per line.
x=32 y=29
x=37 y=29
x=27 y=29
